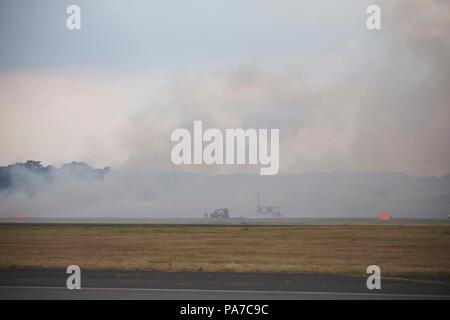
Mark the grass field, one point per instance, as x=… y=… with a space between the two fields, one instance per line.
x=347 y=250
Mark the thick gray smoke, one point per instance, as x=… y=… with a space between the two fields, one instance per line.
x=76 y=190
x=361 y=126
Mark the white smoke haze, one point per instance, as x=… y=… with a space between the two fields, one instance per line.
x=124 y=194
x=377 y=102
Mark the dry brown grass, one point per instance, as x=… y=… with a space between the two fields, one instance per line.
x=399 y=250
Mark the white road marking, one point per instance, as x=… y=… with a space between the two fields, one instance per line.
x=241 y=291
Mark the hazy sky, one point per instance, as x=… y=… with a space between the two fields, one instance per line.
x=343 y=97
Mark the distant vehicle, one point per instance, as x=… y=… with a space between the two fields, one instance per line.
x=267 y=211
x=223 y=213
x=273 y=212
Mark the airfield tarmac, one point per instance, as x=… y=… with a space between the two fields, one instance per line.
x=50 y=284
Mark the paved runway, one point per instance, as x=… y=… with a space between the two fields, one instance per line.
x=55 y=293
x=50 y=284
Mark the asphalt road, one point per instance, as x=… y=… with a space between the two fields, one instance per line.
x=50 y=284
x=55 y=293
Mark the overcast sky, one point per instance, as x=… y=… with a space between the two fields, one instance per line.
x=343 y=97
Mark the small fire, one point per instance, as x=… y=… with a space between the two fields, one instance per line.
x=20 y=216
x=384 y=217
